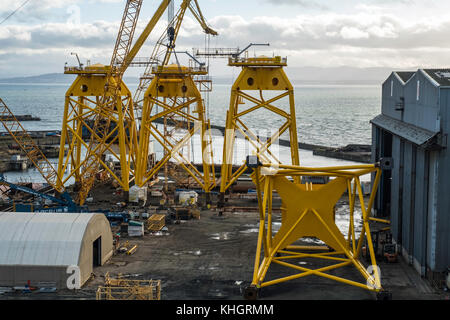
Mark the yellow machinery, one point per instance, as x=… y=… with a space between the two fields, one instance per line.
x=308 y=212
x=175 y=92
x=82 y=102
x=165 y=46
x=101 y=103
x=31 y=149
x=123 y=289
x=171 y=94
x=258 y=75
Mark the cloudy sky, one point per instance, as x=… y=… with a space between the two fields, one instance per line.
x=404 y=34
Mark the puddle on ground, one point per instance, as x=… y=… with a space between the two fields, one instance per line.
x=213 y=268
x=342 y=219
x=313 y=241
x=159 y=233
x=217 y=294
x=195 y=253
x=252 y=228
x=221 y=236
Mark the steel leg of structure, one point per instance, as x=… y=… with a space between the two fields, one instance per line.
x=247 y=96
x=308 y=211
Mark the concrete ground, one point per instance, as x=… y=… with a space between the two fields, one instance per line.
x=213 y=258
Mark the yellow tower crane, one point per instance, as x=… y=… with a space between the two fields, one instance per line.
x=167 y=40
x=99 y=101
x=173 y=89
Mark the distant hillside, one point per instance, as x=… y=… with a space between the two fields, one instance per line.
x=334 y=75
x=57 y=78
x=43 y=78
x=297 y=75
x=338 y=75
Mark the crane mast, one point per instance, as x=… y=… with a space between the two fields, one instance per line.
x=100 y=105
x=165 y=46
x=104 y=108
x=109 y=104
x=172 y=88
x=29 y=147
x=126 y=32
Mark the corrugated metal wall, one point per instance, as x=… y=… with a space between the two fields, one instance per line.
x=409 y=200
x=420 y=183
x=420 y=211
x=392 y=90
x=443 y=198
x=395 y=189
x=424 y=112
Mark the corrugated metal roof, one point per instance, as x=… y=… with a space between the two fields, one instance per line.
x=441 y=76
x=405 y=75
x=44 y=239
x=404 y=130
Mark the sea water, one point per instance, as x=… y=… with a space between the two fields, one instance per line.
x=328 y=115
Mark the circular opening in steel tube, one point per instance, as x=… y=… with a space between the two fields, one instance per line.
x=250 y=81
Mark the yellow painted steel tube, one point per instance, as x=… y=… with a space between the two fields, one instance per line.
x=322 y=169
x=273 y=251
x=379 y=220
x=306 y=272
x=368 y=235
x=300 y=247
x=309 y=255
x=261 y=238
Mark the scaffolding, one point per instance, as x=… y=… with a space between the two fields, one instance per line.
x=125 y=289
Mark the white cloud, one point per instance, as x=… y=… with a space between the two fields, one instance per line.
x=353 y=33
x=301 y=3
x=33 y=7
x=370 y=37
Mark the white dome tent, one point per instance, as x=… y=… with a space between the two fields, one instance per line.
x=38 y=248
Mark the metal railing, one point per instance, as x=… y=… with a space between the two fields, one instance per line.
x=258 y=60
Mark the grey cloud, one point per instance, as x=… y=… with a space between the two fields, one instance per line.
x=53 y=35
x=301 y=3
x=309 y=40
x=392 y=1
x=36 y=11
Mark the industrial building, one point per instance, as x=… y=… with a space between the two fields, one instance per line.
x=38 y=248
x=412 y=129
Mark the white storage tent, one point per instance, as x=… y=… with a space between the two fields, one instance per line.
x=38 y=248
